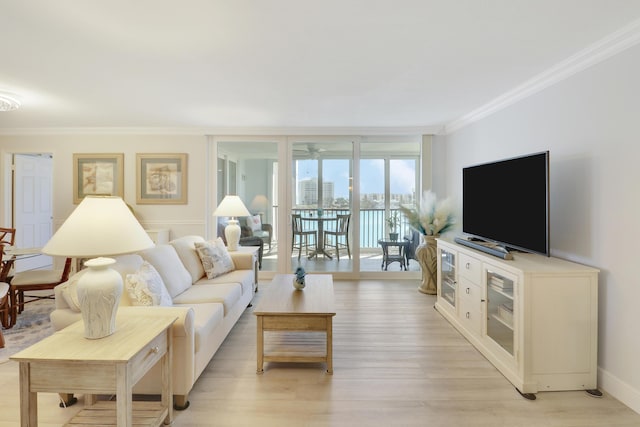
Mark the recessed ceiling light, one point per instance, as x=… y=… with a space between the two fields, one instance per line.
x=8 y=102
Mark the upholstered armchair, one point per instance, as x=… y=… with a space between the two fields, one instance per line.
x=414 y=241
x=258 y=229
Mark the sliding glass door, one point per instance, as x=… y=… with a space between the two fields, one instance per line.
x=389 y=177
x=249 y=168
x=321 y=195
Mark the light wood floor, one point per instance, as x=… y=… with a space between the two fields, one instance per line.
x=397 y=362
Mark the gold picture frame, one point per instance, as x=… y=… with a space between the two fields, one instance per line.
x=97 y=174
x=161 y=179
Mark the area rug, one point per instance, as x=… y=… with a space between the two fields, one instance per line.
x=33 y=324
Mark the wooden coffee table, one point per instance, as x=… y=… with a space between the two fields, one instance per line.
x=300 y=322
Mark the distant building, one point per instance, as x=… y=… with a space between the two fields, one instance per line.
x=308 y=192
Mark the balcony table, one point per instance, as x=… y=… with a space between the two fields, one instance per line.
x=390 y=254
x=320 y=238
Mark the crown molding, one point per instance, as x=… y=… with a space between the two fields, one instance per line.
x=606 y=47
x=230 y=130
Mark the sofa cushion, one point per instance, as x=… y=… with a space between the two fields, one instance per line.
x=145 y=287
x=207 y=317
x=227 y=294
x=185 y=246
x=244 y=277
x=215 y=257
x=165 y=259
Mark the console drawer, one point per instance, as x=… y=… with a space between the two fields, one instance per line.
x=470 y=268
x=148 y=356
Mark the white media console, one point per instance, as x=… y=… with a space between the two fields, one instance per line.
x=535 y=318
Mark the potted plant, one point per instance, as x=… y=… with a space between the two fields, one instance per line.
x=392 y=222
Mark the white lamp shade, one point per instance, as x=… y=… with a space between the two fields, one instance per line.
x=259 y=203
x=231 y=206
x=99 y=226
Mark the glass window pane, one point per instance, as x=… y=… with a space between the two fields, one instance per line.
x=249 y=169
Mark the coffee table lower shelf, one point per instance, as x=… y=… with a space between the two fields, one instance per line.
x=295 y=346
x=104 y=413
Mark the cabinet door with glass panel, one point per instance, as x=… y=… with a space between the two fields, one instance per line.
x=502 y=309
x=447 y=278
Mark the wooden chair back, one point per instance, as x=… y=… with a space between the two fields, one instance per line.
x=7 y=236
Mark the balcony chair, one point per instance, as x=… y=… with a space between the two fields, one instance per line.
x=259 y=229
x=34 y=280
x=300 y=236
x=414 y=241
x=340 y=237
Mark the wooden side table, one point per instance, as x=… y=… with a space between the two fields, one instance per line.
x=66 y=362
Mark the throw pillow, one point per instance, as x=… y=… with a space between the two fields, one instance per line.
x=255 y=223
x=145 y=287
x=215 y=258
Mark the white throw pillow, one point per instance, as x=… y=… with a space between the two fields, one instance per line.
x=255 y=222
x=167 y=261
x=185 y=247
x=215 y=258
x=145 y=287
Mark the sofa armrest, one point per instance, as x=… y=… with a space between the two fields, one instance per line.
x=242 y=260
x=59 y=300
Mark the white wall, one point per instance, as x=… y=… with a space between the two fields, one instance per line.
x=589 y=123
x=180 y=219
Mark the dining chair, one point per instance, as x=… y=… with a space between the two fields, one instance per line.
x=4 y=304
x=301 y=235
x=34 y=280
x=7 y=238
x=4 y=309
x=340 y=237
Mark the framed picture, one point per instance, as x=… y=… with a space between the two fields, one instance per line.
x=161 y=178
x=97 y=174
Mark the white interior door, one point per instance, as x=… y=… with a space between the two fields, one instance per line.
x=33 y=207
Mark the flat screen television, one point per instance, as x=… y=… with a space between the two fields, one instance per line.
x=507 y=202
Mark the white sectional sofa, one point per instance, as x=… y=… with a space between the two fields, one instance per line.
x=206 y=309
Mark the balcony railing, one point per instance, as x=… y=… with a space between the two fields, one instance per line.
x=372 y=224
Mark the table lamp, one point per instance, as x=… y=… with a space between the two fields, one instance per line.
x=232 y=207
x=259 y=204
x=99 y=226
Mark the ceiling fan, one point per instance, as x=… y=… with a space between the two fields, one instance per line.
x=311 y=150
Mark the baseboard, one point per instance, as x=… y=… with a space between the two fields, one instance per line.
x=618 y=389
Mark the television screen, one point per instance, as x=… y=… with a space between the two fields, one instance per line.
x=507 y=202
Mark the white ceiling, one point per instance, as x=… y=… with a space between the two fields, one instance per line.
x=206 y=64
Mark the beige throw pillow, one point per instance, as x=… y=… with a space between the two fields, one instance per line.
x=215 y=258
x=145 y=287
